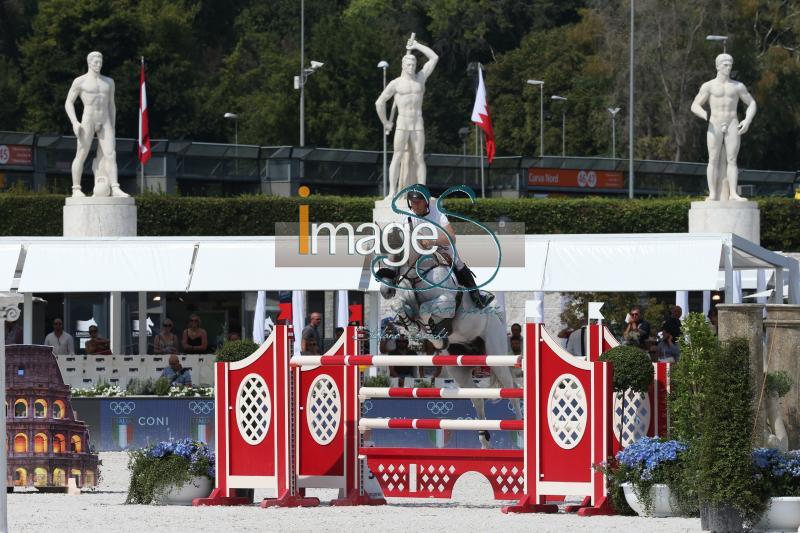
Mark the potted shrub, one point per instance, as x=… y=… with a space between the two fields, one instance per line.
x=777 y=477
x=645 y=470
x=235 y=351
x=172 y=473
x=632 y=370
x=725 y=470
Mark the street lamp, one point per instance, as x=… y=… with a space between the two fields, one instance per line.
x=613 y=111
x=384 y=65
x=540 y=83
x=718 y=38
x=631 y=108
x=464 y=134
x=235 y=118
x=563 y=124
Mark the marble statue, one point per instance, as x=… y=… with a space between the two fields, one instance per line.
x=408 y=160
x=724 y=129
x=99 y=117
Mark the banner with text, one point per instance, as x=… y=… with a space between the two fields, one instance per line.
x=584 y=179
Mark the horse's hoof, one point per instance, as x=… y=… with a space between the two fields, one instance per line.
x=485 y=438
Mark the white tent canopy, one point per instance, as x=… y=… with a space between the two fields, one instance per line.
x=565 y=263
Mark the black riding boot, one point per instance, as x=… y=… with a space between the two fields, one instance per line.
x=467 y=279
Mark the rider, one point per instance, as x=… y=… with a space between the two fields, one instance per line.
x=420 y=205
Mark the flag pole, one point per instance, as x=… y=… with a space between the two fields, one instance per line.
x=483 y=139
x=141 y=165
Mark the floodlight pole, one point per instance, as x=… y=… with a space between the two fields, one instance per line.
x=630 y=113
x=302 y=73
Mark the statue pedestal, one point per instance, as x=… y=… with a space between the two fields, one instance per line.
x=100 y=217
x=741 y=218
x=382 y=213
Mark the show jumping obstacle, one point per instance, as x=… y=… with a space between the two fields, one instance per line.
x=291 y=424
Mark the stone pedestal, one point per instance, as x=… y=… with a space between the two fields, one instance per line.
x=783 y=342
x=100 y=217
x=382 y=213
x=746 y=320
x=741 y=218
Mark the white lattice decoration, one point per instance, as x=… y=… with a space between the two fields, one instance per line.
x=323 y=409
x=637 y=417
x=508 y=479
x=253 y=409
x=435 y=478
x=566 y=411
x=394 y=477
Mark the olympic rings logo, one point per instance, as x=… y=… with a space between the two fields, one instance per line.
x=122 y=408
x=440 y=408
x=201 y=408
x=367 y=407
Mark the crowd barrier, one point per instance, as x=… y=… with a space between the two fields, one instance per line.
x=287 y=425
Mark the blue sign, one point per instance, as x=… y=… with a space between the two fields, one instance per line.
x=135 y=422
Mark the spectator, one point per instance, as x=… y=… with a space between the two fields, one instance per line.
x=516 y=344
x=388 y=343
x=61 y=341
x=637 y=332
x=668 y=349
x=166 y=342
x=401 y=372
x=195 y=338
x=312 y=330
x=13 y=333
x=337 y=333
x=97 y=345
x=674 y=321
x=176 y=374
x=516 y=330
x=309 y=346
x=234 y=336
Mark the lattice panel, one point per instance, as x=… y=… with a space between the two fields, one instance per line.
x=567 y=413
x=507 y=480
x=393 y=478
x=323 y=409
x=637 y=417
x=437 y=479
x=253 y=409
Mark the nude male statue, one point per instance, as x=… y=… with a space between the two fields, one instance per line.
x=409 y=138
x=99 y=117
x=724 y=129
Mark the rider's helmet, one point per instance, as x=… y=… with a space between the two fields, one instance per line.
x=414 y=194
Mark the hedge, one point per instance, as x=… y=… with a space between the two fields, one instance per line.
x=163 y=215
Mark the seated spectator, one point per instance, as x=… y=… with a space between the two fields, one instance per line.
x=516 y=330
x=195 y=338
x=176 y=374
x=166 y=342
x=309 y=346
x=233 y=336
x=712 y=318
x=401 y=372
x=674 y=321
x=97 y=345
x=13 y=333
x=637 y=332
x=61 y=341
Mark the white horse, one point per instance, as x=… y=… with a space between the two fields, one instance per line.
x=473 y=331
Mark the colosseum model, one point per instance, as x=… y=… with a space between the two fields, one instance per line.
x=47 y=445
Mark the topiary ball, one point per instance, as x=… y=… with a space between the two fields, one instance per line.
x=632 y=368
x=235 y=350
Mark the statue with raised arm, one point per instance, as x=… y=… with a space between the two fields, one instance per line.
x=724 y=129
x=408 y=159
x=99 y=118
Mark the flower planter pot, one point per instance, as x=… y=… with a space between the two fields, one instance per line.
x=783 y=514
x=197 y=487
x=662 y=505
x=723 y=519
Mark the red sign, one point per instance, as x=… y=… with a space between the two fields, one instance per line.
x=12 y=154
x=585 y=179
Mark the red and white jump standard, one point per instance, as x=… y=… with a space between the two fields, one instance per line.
x=290 y=424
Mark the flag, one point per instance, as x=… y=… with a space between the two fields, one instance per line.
x=144 y=129
x=482 y=117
